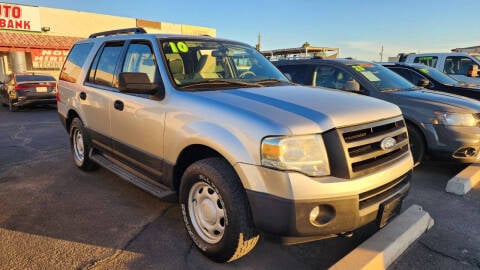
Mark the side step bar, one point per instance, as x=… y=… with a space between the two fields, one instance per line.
x=156 y=190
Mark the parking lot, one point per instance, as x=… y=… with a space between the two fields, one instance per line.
x=54 y=216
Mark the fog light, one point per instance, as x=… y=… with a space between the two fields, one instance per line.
x=321 y=215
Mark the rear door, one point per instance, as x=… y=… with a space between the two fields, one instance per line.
x=95 y=96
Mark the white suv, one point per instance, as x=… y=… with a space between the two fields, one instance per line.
x=214 y=122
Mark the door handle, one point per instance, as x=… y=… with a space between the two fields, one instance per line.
x=118 y=105
x=83 y=95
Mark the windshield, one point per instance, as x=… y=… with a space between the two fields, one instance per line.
x=477 y=56
x=383 y=78
x=200 y=64
x=438 y=76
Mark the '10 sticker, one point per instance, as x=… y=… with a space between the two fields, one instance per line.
x=178 y=47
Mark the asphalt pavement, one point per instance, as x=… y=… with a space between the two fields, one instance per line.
x=54 y=216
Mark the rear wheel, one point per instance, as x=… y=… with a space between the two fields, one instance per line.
x=216 y=211
x=417 y=144
x=11 y=107
x=80 y=145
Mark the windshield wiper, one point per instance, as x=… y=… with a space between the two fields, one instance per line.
x=272 y=81
x=391 y=90
x=220 y=82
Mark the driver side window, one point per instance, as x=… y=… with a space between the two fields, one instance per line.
x=332 y=77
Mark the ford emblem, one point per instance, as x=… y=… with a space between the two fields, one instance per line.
x=388 y=143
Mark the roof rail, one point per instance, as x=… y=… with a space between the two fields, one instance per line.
x=135 y=30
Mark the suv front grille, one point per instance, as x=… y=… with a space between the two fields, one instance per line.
x=362 y=145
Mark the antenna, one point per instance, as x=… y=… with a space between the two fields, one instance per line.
x=381 y=55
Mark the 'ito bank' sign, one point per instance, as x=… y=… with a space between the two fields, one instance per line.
x=17 y=17
x=48 y=58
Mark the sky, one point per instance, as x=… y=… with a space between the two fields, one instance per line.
x=359 y=28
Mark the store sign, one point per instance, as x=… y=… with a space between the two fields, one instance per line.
x=43 y=58
x=18 y=17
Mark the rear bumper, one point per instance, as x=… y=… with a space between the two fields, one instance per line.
x=34 y=99
x=291 y=218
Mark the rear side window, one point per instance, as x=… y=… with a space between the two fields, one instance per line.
x=426 y=60
x=73 y=65
x=102 y=71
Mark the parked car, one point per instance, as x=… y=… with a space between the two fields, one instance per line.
x=215 y=122
x=22 y=89
x=460 y=66
x=430 y=78
x=440 y=124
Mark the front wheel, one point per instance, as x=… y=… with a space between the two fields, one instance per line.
x=216 y=211
x=417 y=145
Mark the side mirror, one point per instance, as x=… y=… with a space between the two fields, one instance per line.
x=289 y=77
x=423 y=83
x=473 y=71
x=136 y=83
x=352 y=86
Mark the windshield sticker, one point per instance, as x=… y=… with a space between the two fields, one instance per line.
x=358 y=68
x=370 y=76
x=424 y=70
x=179 y=47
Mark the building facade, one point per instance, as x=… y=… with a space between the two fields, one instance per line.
x=37 y=39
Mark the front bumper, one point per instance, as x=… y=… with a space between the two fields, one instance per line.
x=291 y=218
x=453 y=142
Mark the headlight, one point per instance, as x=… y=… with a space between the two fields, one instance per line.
x=305 y=154
x=456 y=119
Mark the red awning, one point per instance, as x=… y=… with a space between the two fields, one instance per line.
x=11 y=41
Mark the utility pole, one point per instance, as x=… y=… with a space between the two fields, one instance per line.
x=381 y=55
x=258 y=43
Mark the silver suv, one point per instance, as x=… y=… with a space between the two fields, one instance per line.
x=214 y=122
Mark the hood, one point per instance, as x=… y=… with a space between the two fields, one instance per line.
x=442 y=100
x=303 y=110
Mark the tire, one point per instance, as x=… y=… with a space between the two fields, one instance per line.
x=80 y=145
x=224 y=208
x=10 y=105
x=417 y=144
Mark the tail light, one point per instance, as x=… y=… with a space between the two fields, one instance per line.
x=21 y=87
x=57 y=95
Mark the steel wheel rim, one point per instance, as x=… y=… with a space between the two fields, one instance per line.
x=207 y=212
x=78 y=147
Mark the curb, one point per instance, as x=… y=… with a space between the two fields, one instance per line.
x=461 y=183
x=385 y=246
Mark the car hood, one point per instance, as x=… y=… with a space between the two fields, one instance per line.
x=442 y=100
x=301 y=109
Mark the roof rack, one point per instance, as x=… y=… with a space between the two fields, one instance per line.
x=135 y=30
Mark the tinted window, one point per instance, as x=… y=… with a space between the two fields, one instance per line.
x=140 y=58
x=408 y=74
x=297 y=73
x=75 y=60
x=331 y=77
x=426 y=60
x=103 y=69
x=438 y=76
x=34 y=78
x=458 y=65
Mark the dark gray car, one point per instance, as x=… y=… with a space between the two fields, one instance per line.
x=440 y=124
